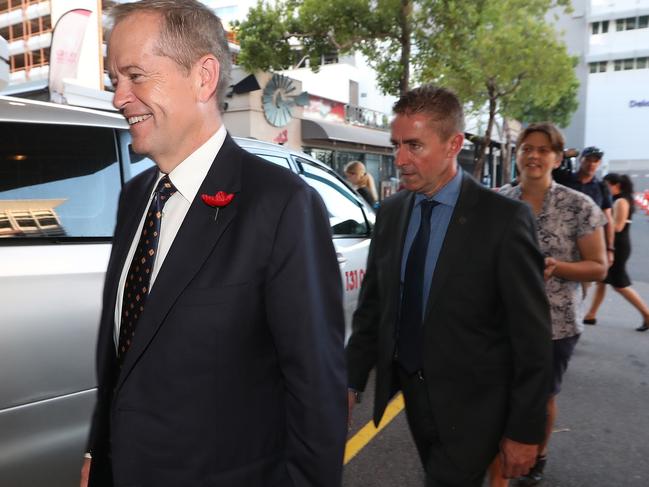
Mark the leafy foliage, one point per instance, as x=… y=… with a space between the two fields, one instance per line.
x=501 y=54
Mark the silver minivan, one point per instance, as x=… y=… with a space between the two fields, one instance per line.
x=61 y=171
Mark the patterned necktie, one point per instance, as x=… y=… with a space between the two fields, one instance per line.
x=410 y=337
x=136 y=287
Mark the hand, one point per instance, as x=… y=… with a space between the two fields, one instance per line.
x=550 y=267
x=611 y=257
x=351 y=402
x=517 y=458
x=85 y=471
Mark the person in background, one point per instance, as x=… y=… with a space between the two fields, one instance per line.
x=210 y=371
x=362 y=181
x=622 y=190
x=570 y=233
x=452 y=310
x=585 y=180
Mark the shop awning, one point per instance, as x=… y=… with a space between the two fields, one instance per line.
x=317 y=130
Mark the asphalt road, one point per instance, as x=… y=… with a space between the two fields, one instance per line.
x=602 y=437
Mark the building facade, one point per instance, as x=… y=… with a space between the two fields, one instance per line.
x=27 y=25
x=611 y=40
x=617 y=105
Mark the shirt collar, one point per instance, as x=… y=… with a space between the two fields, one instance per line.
x=188 y=176
x=449 y=193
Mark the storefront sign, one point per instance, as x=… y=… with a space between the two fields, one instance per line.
x=639 y=104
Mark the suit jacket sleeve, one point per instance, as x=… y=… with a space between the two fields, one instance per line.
x=362 y=351
x=520 y=278
x=305 y=313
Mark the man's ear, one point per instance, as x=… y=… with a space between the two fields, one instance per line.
x=457 y=141
x=208 y=75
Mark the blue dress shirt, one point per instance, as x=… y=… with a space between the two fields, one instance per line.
x=439 y=219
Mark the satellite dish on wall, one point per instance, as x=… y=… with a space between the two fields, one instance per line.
x=279 y=98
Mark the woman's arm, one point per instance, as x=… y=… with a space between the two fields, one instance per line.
x=592 y=266
x=620 y=214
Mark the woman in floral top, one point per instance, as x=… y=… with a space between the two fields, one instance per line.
x=571 y=236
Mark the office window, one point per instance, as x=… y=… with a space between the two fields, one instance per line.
x=629 y=64
x=604 y=26
x=619 y=25
x=618 y=65
x=631 y=23
x=643 y=22
x=642 y=63
x=595 y=28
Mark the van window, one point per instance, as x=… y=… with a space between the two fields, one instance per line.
x=345 y=214
x=135 y=163
x=57 y=181
x=280 y=161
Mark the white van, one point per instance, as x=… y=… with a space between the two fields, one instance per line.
x=61 y=171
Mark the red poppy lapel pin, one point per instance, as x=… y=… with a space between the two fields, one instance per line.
x=218 y=200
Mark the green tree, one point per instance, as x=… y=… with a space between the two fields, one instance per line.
x=502 y=55
x=278 y=36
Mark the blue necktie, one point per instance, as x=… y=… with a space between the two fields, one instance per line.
x=136 y=287
x=410 y=334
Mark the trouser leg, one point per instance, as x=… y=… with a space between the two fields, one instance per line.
x=440 y=470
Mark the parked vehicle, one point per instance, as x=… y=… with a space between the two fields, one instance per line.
x=61 y=171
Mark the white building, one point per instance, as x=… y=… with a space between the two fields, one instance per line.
x=611 y=39
x=617 y=106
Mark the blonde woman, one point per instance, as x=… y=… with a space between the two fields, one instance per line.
x=362 y=181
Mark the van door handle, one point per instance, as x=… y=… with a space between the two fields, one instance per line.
x=341 y=258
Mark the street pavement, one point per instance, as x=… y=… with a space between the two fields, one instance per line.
x=602 y=433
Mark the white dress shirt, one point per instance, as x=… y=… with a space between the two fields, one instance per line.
x=187 y=177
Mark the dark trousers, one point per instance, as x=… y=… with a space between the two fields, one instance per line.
x=440 y=470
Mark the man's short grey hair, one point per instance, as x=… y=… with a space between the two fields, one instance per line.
x=440 y=105
x=188 y=31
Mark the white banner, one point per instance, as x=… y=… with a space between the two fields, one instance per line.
x=67 y=39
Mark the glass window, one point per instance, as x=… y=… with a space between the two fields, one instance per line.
x=345 y=214
x=604 y=26
x=603 y=66
x=619 y=24
x=595 y=27
x=618 y=65
x=643 y=22
x=642 y=62
x=57 y=180
x=629 y=64
x=631 y=23
x=593 y=67
x=136 y=163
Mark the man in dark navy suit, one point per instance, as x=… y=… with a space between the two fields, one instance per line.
x=220 y=353
x=452 y=309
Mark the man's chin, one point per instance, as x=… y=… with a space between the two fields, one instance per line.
x=139 y=147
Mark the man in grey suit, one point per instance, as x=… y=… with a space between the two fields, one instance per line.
x=453 y=310
x=220 y=357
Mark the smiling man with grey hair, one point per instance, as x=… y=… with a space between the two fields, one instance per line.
x=210 y=371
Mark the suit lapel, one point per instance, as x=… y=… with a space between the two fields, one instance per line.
x=401 y=228
x=196 y=238
x=126 y=233
x=459 y=231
